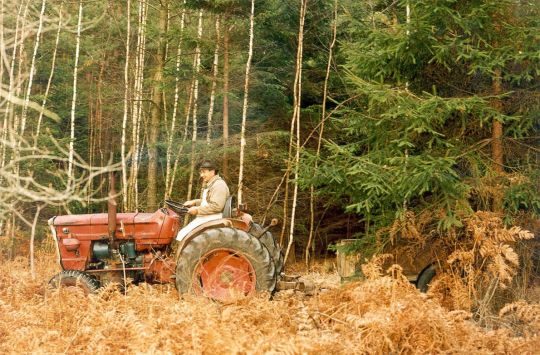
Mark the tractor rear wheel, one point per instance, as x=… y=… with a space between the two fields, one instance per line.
x=225 y=264
x=75 y=278
x=271 y=244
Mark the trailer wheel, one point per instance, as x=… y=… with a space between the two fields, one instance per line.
x=271 y=244
x=225 y=264
x=75 y=278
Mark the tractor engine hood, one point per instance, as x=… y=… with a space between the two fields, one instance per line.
x=148 y=229
x=93 y=219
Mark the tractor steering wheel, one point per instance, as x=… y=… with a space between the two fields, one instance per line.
x=176 y=206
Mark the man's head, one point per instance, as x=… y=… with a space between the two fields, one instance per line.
x=207 y=170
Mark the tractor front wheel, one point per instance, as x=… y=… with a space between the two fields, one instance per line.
x=225 y=264
x=75 y=278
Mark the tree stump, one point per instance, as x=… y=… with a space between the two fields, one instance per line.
x=348 y=263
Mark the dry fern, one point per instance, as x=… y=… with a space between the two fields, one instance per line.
x=385 y=314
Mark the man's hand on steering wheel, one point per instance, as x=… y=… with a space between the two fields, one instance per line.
x=189 y=203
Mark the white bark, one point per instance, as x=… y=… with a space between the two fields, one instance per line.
x=296 y=117
x=126 y=109
x=51 y=74
x=172 y=131
x=7 y=64
x=74 y=99
x=214 y=83
x=321 y=130
x=137 y=105
x=9 y=110
x=195 y=98
x=185 y=135
x=245 y=105
x=32 y=239
x=20 y=62
x=32 y=70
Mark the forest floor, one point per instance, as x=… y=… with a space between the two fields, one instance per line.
x=381 y=315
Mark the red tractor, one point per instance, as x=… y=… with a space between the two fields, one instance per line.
x=222 y=259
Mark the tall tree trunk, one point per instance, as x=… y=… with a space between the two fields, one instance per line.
x=497 y=137
x=19 y=78
x=126 y=109
x=9 y=121
x=7 y=112
x=104 y=147
x=187 y=113
x=32 y=71
x=51 y=74
x=296 y=117
x=74 y=98
x=137 y=112
x=287 y=178
x=93 y=127
x=321 y=130
x=225 y=98
x=155 y=117
x=32 y=239
x=172 y=131
x=195 y=99
x=245 y=105
x=214 y=83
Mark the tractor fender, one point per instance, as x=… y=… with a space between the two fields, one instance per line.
x=218 y=223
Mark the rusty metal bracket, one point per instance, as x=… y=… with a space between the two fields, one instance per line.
x=287 y=282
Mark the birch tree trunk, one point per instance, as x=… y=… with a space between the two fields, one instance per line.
x=32 y=239
x=126 y=109
x=287 y=176
x=187 y=113
x=296 y=117
x=214 y=82
x=19 y=78
x=172 y=131
x=9 y=121
x=74 y=98
x=32 y=70
x=245 y=105
x=51 y=74
x=225 y=98
x=157 y=102
x=7 y=113
x=195 y=98
x=321 y=130
x=136 y=112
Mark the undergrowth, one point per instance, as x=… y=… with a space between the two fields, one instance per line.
x=383 y=314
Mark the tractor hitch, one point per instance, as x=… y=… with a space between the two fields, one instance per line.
x=287 y=282
x=273 y=223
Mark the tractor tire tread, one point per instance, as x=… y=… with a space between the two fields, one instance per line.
x=271 y=244
x=229 y=238
x=74 y=278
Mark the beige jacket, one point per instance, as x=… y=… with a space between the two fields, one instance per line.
x=217 y=195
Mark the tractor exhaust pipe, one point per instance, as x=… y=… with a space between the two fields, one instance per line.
x=111 y=209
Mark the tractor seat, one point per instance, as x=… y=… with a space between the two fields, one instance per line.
x=227 y=210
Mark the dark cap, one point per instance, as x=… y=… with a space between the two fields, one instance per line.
x=207 y=164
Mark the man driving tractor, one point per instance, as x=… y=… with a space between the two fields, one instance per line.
x=212 y=202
